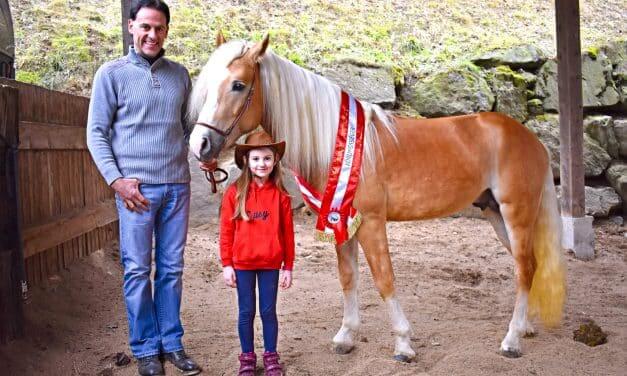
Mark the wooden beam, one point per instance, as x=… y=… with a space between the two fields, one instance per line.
x=11 y=262
x=126 y=36
x=570 y=107
x=68 y=226
x=41 y=136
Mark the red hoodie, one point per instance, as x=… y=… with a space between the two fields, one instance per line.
x=265 y=241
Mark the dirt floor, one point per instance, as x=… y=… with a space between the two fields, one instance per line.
x=454 y=281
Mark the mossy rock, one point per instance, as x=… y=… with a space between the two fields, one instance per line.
x=456 y=91
x=523 y=56
x=510 y=91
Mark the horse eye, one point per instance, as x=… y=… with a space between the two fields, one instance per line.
x=238 y=86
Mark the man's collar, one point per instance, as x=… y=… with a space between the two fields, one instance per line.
x=138 y=59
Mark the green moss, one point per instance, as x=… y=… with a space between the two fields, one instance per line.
x=593 y=52
x=28 y=77
x=505 y=72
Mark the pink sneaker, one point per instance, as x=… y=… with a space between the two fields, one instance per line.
x=271 y=364
x=247 y=364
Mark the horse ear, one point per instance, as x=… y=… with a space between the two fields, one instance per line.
x=220 y=39
x=257 y=51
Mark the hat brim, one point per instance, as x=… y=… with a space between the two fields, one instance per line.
x=242 y=149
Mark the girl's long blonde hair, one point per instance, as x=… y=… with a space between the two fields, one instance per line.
x=242 y=184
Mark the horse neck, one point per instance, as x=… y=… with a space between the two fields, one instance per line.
x=303 y=109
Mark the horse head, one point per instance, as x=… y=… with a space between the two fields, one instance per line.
x=227 y=99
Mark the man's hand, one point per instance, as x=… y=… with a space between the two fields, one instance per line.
x=229 y=276
x=208 y=166
x=285 y=280
x=128 y=190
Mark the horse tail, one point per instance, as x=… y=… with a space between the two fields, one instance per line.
x=548 y=287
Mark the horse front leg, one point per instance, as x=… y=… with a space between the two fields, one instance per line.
x=373 y=239
x=348 y=270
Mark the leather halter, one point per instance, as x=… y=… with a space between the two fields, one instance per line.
x=242 y=110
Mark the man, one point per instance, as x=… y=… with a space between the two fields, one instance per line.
x=136 y=136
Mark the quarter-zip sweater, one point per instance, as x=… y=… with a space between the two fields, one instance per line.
x=266 y=241
x=135 y=127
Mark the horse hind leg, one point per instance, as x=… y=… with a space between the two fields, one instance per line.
x=373 y=239
x=348 y=270
x=519 y=222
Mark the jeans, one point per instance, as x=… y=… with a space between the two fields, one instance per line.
x=154 y=319
x=268 y=285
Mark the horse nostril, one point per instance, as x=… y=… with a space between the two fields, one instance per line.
x=205 y=146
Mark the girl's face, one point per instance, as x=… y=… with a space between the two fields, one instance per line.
x=261 y=163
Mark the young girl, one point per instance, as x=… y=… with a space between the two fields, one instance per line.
x=256 y=240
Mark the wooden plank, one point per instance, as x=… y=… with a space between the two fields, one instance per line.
x=33 y=103
x=570 y=108
x=70 y=225
x=45 y=136
x=11 y=262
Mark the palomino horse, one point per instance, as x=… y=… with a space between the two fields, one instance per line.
x=413 y=169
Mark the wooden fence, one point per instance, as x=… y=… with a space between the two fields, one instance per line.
x=66 y=209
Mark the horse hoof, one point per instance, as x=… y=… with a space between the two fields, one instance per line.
x=343 y=349
x=402 y=358
x=511 y=353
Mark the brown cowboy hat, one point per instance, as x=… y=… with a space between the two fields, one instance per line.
x=255 y=140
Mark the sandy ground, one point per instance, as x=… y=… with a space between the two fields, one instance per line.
x=454 y=281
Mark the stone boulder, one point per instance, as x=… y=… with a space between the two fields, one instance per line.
x=599 y=88
x=620 y=131
x=546 y=127
x=457 y=91
x=369 y=83
x=616 y=174
x=510 y=92
x=601 y=129
x=616 y=51
x=600 y=201
x=522 y=56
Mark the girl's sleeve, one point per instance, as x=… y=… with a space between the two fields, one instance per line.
x=227 y=227
x=288 y=232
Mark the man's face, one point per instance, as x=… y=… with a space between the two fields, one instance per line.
x=149 y=30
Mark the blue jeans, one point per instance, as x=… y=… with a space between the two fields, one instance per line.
x=268 y=285
x=154 y=319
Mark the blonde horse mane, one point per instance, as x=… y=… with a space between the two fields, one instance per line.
x=300 y=107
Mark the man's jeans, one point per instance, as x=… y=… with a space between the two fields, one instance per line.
x=154 y=322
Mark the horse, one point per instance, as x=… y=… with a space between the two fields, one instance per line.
x=412 y=169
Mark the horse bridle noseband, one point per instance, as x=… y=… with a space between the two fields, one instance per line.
x=209 y=175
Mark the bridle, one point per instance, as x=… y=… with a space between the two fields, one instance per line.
x=225 y=133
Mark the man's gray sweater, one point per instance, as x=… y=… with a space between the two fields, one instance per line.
x=136 y=126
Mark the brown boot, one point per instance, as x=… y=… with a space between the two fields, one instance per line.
x=271 y=364
x=247 y=364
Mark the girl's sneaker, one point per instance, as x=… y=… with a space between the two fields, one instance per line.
x=271 y=364
x=247 y=364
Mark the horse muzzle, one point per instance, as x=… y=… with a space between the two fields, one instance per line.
x=206 y=143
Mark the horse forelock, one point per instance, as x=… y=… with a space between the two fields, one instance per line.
x=302 y=108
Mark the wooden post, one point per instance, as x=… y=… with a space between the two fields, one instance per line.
x=577 y=235
x=11 y=260
x=126 y=36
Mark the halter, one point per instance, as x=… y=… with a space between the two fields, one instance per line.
x=225 y=133
x=242 y=110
